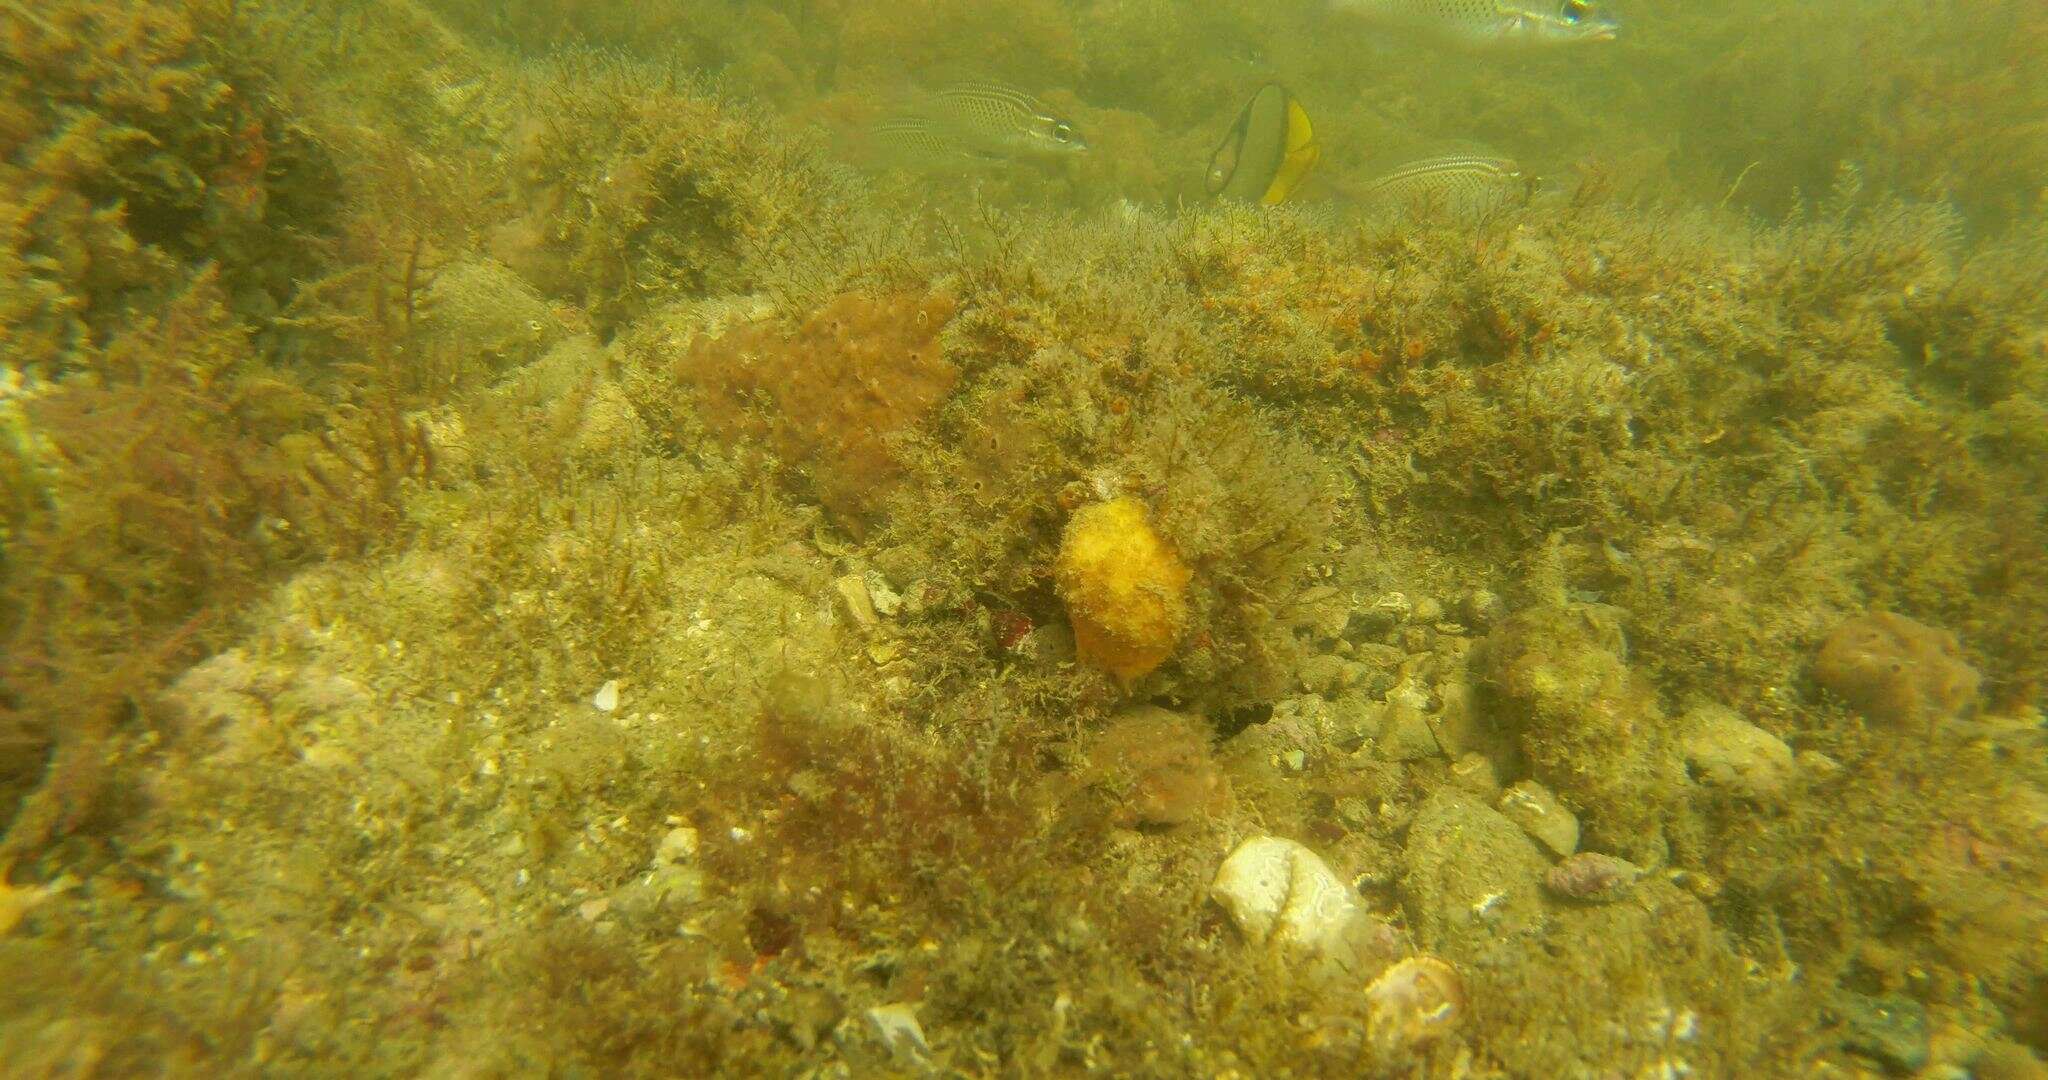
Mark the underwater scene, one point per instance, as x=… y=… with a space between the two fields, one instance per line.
x=1226 y=539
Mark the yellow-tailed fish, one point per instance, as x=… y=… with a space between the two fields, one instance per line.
x=1456 y=185
x=980 y=121
x=1487 y=24
x=1268 y=151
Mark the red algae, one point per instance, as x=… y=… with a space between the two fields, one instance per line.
x=858 y=373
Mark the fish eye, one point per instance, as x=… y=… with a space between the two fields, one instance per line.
x=1574 y=10
x=1062 y=131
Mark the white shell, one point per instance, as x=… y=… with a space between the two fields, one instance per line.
x=886 y=600
x=607 y=697
x=1281 y=892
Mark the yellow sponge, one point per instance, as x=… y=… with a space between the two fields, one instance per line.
x=1124 y=588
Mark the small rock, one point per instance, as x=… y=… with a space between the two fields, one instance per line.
x=1324 y=674
x=1893 y=669
x=1323 y=611
x=856 y=600
x=1384 y=613
x=921 y=596
x=609 y=424
x=1891 y=1028
x=1306 y=720
x=1533 y=807
x=1475 y=772
x=607 y=697
x=1278 y=890
x=1426 y=610
x=1815 y=765
x=1458 y=722
x=677 y=845
x=1733 y=755
x=1470 y=877
x=1405 y=734
x=1592 y=877
x=1481 y=607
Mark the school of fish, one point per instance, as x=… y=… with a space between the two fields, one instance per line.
x=1272 y=146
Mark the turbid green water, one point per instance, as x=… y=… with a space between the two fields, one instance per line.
x=1062 y=538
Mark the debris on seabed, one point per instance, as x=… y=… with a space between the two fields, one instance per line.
x=896 y=1025
x=17 y=901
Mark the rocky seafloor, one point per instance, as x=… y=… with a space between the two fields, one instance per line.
x=532 y=567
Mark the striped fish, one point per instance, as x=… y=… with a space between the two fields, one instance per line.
x=1491 y=24
x=1455 y=185
x=982 y=121
x=917 y=138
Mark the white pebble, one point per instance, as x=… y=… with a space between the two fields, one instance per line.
x=607 y=697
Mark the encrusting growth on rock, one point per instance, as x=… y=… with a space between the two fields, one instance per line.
x=1891 y=668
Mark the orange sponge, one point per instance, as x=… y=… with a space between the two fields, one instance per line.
x=1124 y=587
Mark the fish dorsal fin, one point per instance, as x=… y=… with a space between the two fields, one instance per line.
x=990 y=91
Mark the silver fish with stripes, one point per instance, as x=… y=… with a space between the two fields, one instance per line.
x=985 y=121
x=1491 y=24
x=1451 y=185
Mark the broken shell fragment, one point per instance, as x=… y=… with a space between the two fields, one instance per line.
x=1279 y=891
x=897 y=1029
x=1413 y=1003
